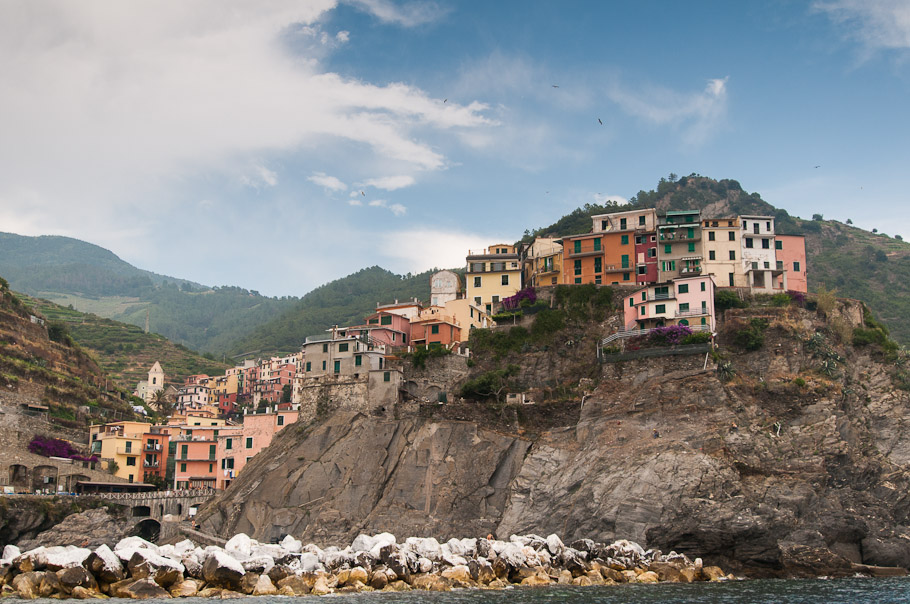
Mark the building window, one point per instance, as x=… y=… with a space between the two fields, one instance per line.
x=684 y=288
x=211 y=467
x=183 y=448
x=622 y=225
x=131 y=461
x=343 y=347
x=731 y=235
x=477 y=300
x=660 y=308
x=626 y=276
x=280 y=420
x=749 y=242
x=598 y=267
x=768 y=226
x=766 y=244
x=597 y=245
x=229 y=443
x=641 y=310
x=577 y=246
x=477 y=281
x=495 y=299
x=711 y=255
x=325 y=348
x=652 y=252
x=631 y=302
x=434 y=329
x=603 y=225
x=505 y=279
x=211 y=451
x=358 y=360
x=732 y=283
x=625 y=260
x=578 y=267
x=668 y=249
x=641 y=220
x=183 y=467
x=710 y=235
x=702 y=287
x=249 y=442
x=690 y=233
x=624 y=240
x=732 y=254
x=778 y=244
x=387 y=376
x=691 y=246
x=323 y=365
x=684 y=307
x=577 y=282
x=337 y=367
x=642 y=270
x=796 y=267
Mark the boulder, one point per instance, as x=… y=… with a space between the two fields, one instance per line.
x=185 y=589
x=297 y=585
x=119 y=589
x=239 y=544
x=248 y=582
x=459 y=573
x=321 y=587
x=81 y=593
x=28 y=584
x=50 y=585
x=65 y=557
x=555 y=545
x=291 y=545
x=145 y=589
x=481 y=571
x=647 y=577
x=713 y=573
x=105 y=565
x=395 y=586
x=31 y=560
x=10 y=552
x=565 y=577
x=76 y=576
x=221 y=570
x=688 y=575
x=163 y=571
x=536 y=580
x=264 y=587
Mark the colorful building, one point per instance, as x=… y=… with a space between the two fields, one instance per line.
x=790 y=253
x=583 y=259
x=155 y=453
x=683 y=301
x=492 y=274
x=541 y=262
x=196 y=455
x=444 y=286
x=234 y=451
x=679 y=249
x=759 y=255
x=388 y=328
x=125 y=444
x=722 y=251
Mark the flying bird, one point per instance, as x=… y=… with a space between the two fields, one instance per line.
x=818 y=166
x=554 y=85
x=600 y=122
x=362 y=193
x=444 y=100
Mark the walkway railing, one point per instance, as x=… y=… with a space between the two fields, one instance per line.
x=155 y=494
x=632 y=333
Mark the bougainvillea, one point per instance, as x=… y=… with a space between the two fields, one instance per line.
x=513 y=302
x=798 y=297
x=668 y=336
x=54 y=447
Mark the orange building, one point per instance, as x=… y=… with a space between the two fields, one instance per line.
x=154 y=453
x=583 y=258
x=790 y=253
x=619 y=258
x=196 y=456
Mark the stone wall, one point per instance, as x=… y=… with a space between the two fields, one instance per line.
x=321 y=395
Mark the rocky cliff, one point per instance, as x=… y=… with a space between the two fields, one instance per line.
x=790 y=459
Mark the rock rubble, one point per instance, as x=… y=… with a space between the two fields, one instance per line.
x=138 y=569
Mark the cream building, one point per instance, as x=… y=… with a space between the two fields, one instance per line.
x=493 y=274
x=722 y=254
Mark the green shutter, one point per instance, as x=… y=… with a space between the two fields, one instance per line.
x=668 y=248
x=625 y=239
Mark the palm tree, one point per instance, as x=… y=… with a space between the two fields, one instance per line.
x=162 y=403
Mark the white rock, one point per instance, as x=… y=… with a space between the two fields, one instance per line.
x=134 y=543
x=498 y=546
x=315 y=550
x=167 y=550
x=309 y=562
x=182 y=547
x=239 y=543
x=469 y=547
x=268 y=549
x=193 y=564
x=266 y=562
x=454 y=546
x=385 y=538
x=424 y=565
x=67 y=557
x=555 y=544
x=513 y=555
x=111 y=561
x=363 y=543
x=9 y=552
x=224 y=560
x=428 y=548
x=290 y=544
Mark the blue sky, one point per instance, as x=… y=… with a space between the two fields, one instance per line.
x=277 y=145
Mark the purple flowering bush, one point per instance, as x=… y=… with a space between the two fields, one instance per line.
x=513 y=302
x=672 y=335
x=54 y=447
x=798 y=297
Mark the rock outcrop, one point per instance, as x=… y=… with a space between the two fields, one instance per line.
x=784 y=470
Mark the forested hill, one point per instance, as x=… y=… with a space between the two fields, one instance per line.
x=344 y=301
x=92 y=279
x=871 y=267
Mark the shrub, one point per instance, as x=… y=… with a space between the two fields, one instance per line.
x=507 y=316
x=490 y=384
x=702 y=337
x=751 y=337
x=547 y=322
x=800 y=382
x=668 y=336
x=798 y=297
x=527 y=296
x=726 y=298
x=54 y=447
x=780 y=300
x=825 y=299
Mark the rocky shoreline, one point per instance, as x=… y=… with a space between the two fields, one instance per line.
x=138 y=569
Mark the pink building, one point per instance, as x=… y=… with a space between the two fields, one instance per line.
x=389 y=328
x=683 y=301
x=234 y=449
x=790 y=251
x=196 y=456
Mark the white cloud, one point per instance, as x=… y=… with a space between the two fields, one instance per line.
x=408 y=14
x=329 y=182
x=343 y=36
x=420 y=249
x=101 y=98
x=394 y=208
x=355 y=202
x=697 y=115
x=877 y=24
x=390 y=183
x=601 y=199
x=259 y=177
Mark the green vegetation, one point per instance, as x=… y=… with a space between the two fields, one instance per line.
x=752 y=336
x=725 y=298
x=492 y=384
x=422 y=353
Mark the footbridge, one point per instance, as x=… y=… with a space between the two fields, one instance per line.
x=158 y=504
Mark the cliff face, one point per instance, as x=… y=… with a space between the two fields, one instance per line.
x=783 y=470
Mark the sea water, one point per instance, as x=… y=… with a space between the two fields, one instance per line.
x=836 y=591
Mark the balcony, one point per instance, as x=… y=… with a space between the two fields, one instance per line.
x=653 y=297
x=127 y=451
x=616 y=268
x=695 y=312
x=677 y=236
x=690 y=271
x=151 y=464
x=152 y=447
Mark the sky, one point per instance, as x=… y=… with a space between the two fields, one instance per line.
x=277 y=145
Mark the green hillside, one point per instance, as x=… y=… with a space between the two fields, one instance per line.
x=92 y=279
x=344 y=301
x=125 y=352
x=867 y=266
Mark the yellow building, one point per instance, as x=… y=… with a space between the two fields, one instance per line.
x=722 y=252
x=120 y=442
x=541 y=262
x=492 y=274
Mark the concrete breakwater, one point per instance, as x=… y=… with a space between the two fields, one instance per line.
x=138 y=569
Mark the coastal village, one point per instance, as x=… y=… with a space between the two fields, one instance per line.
x=670 y=265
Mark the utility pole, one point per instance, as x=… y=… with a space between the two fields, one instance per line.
x=146 y=319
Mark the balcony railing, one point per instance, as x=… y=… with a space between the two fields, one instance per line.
x=152 y=447
x=125 y=451
x=653 y=297
x=613 y=268
x=690 y=270
x=151 y=464
x=695 y=312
